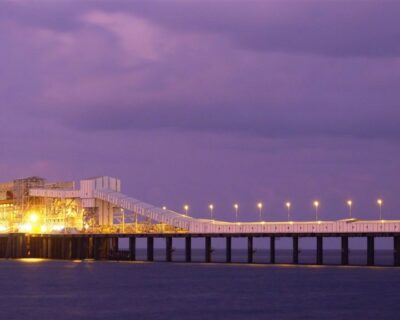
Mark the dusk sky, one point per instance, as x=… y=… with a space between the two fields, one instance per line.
x=208 y=101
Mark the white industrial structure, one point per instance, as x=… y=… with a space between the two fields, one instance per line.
x=101 y=202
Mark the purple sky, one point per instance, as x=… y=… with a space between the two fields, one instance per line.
x=199 y=101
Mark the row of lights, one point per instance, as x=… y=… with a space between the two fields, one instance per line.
x=288 y=205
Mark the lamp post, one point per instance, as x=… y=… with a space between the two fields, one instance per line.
x=288 y=205
x=316 y=205
x=186 y=208
x=211 y=207
x=236 y=206
x=380 y=203
x=350 y=204
x=164 y=208
x=260 y=206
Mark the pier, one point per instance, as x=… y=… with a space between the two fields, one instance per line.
x=58 y=220
x=105 y=246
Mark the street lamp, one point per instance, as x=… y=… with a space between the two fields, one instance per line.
x=236 y=206
x=316 y=205
x=211 y=207
x=350 y=204
x=380 y=203
x=288 y=205
x=186 y=208
x=260 y=206
x=164 y=208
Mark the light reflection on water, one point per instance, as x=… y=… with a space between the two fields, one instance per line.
x=103 y=290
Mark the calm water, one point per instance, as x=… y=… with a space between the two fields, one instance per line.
x=123 y=290
x=331 y=257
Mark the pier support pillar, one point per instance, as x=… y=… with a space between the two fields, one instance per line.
x=168 y=248
x=150 y=249
x=96 y=249
x=295 y=249
x=370 y=250
x=208 y=249
x=45 y=247
x=188 y=249
x=81 y=248
x=250 y=250
x=320 y=250
x=132 y=248
x=272 y=249
x=345 y=250
x=50 y=244
x=114 y=244
x=15 y=246
x=396 y=252
x=75 y=248
x=228 y=249
x=91 y=247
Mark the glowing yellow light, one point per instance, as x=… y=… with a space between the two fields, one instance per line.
x=3 y=228
x=288 y=204
x=31 y=260
x=236 y=206
x=259 y=205
x=211 y=206
x=33 y=217
x=349 y=203
x=379 y=202
x=316 y=204
x=43 y=228
x=27 y=227
x=164 y=208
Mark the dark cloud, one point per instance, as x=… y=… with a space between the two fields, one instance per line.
x=332 y=28
x=262 y=122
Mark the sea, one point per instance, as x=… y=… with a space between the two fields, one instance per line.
x=57 y=289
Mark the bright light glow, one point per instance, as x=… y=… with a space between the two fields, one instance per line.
x=259 y=205
x=31 y=260
x=26 y=227
x=349 y=203
x=164 y=208
x=211 y=206
x=186 y=207
x=316 y=204
x=57 y=227
x=33 y=217
x=3 y=229
x=379 y=202
x=43 y=228
x=236 y=206
x=288 y=204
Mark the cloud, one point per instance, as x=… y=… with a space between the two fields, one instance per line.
x=331 y=28
x=269 y=69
